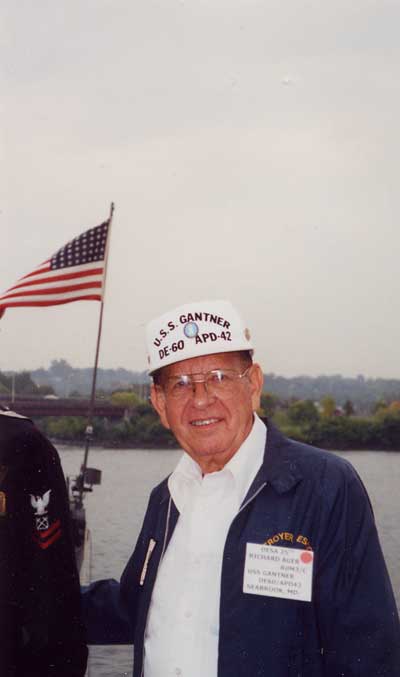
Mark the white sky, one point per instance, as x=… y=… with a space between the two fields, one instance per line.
x=251 y=148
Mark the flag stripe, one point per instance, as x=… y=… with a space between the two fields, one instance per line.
x=96 y=272
x=45 y=297
x=56 y=289
x=53 y=274
x=58 y=281
x=27 y=304
x=39 y=270
x=74 y=273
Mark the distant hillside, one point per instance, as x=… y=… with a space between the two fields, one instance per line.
x=363 y=393
x=67 y=380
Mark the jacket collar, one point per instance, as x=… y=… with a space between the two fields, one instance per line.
x=280 y=467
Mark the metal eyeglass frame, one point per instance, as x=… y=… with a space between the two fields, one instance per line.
x=192 y=381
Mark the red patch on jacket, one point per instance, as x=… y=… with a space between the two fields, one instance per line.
x=46 y=538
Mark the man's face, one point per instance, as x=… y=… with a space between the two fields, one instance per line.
x=211 y=428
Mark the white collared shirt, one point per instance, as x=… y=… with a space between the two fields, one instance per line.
x=183 y=624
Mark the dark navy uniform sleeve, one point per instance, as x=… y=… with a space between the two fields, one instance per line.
x=40 y=612
x=356 y=610
x=105 y=616
x=115 y=613
x=110 y=608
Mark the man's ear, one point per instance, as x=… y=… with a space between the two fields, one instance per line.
x=256 y=378
x=158 y=401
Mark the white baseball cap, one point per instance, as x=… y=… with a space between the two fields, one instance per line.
x=194 y=329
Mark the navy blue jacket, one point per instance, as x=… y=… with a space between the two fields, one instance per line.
x=301 y=497
x=41 y=629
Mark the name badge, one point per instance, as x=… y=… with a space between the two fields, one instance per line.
x=278 y=572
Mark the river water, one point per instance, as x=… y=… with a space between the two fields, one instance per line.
x=115 y=511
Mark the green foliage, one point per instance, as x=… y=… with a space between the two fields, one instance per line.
x=148 y=431
x=4 y=389
x=348 y=408
x=328 y=406
x=126 y=398
x=144 y=408
x=380 y=405
x=343 y=432
x=4 y=382
x=296 y=432
x=68 y=428
x=144 y=429
x=23 y=384
x=140 y=431
x=269 y=404
x=303 y=413
x=387 y=430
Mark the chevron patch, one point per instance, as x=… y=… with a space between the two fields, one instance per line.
x=45 y=538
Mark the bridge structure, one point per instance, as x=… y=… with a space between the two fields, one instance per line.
x=36 y=407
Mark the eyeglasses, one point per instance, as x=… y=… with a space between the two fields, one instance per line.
x=220 y=382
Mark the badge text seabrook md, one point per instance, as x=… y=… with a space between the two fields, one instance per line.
x=278 y=572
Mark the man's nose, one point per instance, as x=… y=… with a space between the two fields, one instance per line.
x=201 y=396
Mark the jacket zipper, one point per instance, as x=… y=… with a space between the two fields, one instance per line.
x=159 y=562
x=249 y=500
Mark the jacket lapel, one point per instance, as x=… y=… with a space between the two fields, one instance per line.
x=279 y=468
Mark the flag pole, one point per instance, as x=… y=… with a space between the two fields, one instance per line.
x=89 y=426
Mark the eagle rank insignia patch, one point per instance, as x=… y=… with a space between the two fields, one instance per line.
x=45 y=533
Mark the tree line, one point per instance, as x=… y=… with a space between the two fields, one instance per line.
x=318 y=417
x=319 y=424
x=64 y=380
x=326 y=425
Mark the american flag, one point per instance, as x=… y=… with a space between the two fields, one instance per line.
x=74 y=273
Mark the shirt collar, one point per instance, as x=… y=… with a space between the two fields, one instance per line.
x=245 y=464
x=243 y=467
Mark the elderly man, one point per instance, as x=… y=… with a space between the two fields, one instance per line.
x=258 y=555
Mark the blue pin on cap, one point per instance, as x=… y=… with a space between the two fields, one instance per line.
x=193 y=330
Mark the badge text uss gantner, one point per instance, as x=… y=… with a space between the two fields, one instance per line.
x=191 y=331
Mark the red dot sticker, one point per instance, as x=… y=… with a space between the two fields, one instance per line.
x=306 y=557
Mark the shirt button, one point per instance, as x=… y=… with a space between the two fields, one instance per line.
x=178 y=671
x=188 y=614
